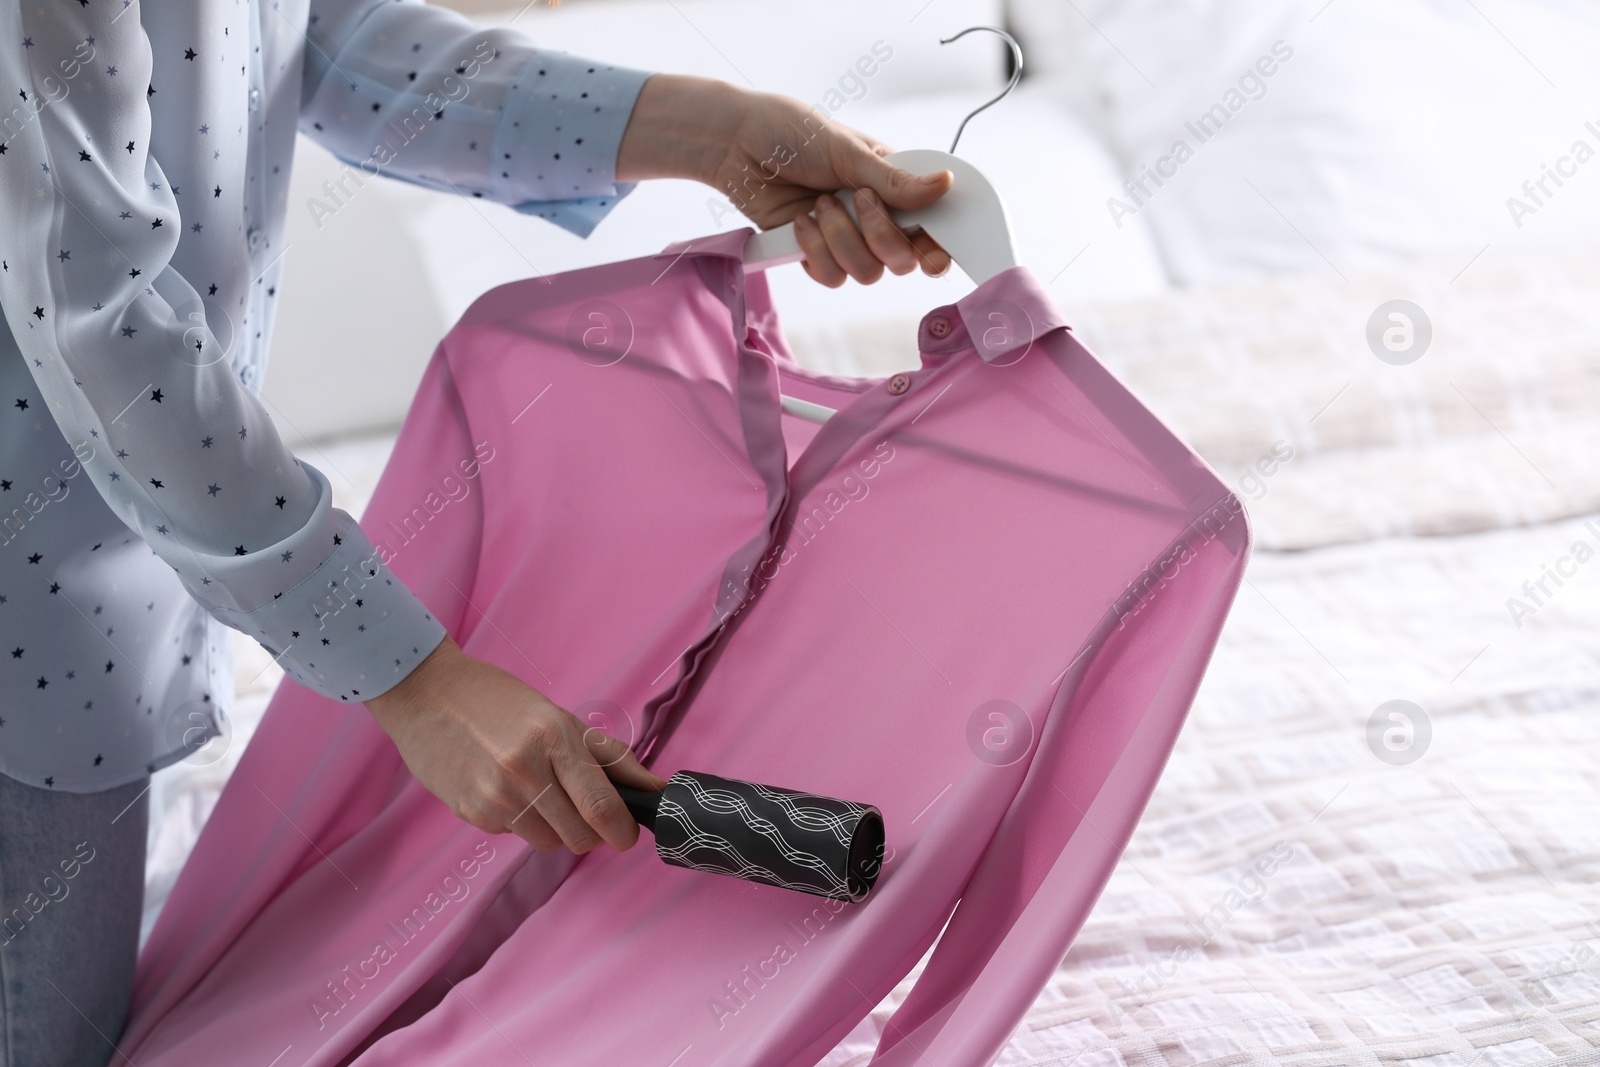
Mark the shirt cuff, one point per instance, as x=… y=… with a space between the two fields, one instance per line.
x=579 y=216
x=349 y=630
x=555 y=148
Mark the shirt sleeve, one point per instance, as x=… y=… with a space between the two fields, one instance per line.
x=406 y=90
x=125 y=352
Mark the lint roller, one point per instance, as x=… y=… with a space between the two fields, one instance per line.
x=761 y=833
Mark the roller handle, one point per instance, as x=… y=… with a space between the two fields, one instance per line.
x=642 y=804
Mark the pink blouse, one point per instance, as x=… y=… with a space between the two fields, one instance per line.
x=981 y=597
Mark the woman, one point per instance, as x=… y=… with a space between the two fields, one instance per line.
x=143 y=180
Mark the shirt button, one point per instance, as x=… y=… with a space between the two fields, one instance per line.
x=939 y=326
x=900 y=382
x=255 y=238
x=255 y=99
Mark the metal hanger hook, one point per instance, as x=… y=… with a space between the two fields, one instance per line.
x=1016 y=74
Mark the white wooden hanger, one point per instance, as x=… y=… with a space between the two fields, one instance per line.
x=969 y=221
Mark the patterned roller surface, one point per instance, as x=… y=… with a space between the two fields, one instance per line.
x=760 y=833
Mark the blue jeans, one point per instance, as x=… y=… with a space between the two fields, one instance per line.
x=71 y=897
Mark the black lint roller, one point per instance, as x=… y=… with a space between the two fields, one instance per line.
x=782 y=837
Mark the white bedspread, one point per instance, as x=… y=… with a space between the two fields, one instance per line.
x=1440 y=912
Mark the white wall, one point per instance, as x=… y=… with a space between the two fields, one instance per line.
x=357 y=316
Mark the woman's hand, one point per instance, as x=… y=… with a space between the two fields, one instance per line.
x=777 y=159
x=505 y=759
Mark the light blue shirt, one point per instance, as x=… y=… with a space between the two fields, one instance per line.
x=146 y=501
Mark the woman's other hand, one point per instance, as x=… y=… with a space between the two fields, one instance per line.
x=778 y=160
x=507 y=760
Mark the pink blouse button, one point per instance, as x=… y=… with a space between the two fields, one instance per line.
x=901 y=382
x=939 y=326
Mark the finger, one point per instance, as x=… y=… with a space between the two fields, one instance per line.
x=560 y=810
x=878 y=147
x=818 y=260
x=863 y=168
x=596 y=803
x=886 y=240
x=529 y=825
x=935 y=261
x=849 y=248
x=619 y=762
x=499 y=818
x=561 y=745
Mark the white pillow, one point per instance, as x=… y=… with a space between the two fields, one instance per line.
x=1388 y=129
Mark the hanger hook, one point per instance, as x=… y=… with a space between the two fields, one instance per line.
x=1016 y=74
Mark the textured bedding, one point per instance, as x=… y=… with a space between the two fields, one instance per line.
x=1441 y=913
x=1290 y=897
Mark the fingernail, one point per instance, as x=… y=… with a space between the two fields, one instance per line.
x=825 y=202
x=931 y=179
